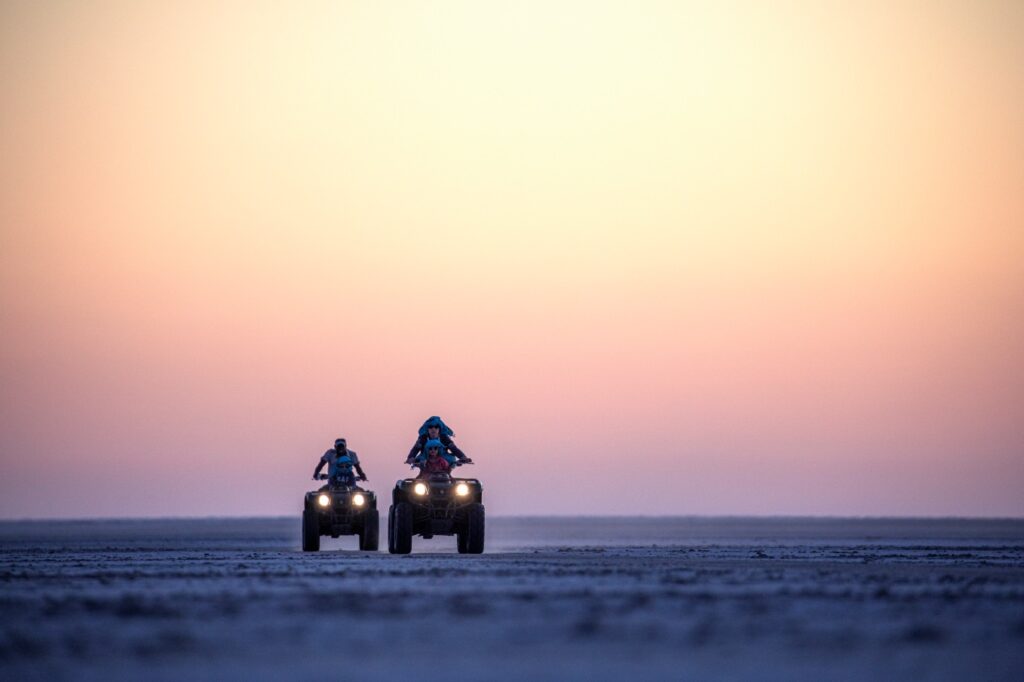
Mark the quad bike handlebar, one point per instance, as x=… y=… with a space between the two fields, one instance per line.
x=325 y=477
x=457 y=463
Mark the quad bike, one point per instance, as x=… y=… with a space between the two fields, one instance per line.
x=340 y=509
x=438 y=504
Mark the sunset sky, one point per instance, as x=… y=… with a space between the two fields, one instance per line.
x=644 y=257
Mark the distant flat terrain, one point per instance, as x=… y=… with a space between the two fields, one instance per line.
x=554 y=598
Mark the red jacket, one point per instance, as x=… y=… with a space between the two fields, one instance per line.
x=436 y=465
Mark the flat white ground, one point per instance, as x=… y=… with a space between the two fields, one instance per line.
x=588 y=599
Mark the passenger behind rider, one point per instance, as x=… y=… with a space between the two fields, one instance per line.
x=341 y=462
x=433 y=462
x=435 y=429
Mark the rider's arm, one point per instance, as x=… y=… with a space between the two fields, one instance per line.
x=355 y=464
x=416 y=448
x=324 y=459
x=447 y=441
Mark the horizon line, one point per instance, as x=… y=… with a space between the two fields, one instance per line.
x=759 y=517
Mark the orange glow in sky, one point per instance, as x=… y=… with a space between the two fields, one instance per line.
x=644 y=257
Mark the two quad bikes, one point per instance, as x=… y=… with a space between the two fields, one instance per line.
x=439 y=504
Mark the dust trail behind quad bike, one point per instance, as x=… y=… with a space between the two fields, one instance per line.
x=551 y=598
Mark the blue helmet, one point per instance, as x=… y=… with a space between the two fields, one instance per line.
x=341 y=466
x=436 y=421
x=433 y=443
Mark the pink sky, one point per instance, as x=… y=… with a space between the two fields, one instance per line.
x=651 y=258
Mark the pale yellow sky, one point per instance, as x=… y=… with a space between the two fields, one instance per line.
x=764 y=256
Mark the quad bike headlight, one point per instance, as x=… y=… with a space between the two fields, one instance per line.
x=324 y=500
x=358 y=500
x=462 y=490
x=420 y=489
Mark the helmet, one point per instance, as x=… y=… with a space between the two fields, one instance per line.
x=433 y=443
x=438 y=422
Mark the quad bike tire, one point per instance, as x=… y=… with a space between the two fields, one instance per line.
x=310 y=532
x=400 y=532
x=391 y=527
x=474 y=529
x=369 y=535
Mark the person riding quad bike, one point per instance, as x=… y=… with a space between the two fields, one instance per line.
x=432 y=463
x=435 y=429
x=436 y=503
x=343 y=468
x=341 y=507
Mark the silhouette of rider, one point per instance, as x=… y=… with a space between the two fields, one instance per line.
x=435 y=429
x=432 y=462
x=340 y=463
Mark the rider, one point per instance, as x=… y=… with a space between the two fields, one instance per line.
x=340 y=463
x=435 y=429
x=433 y=463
